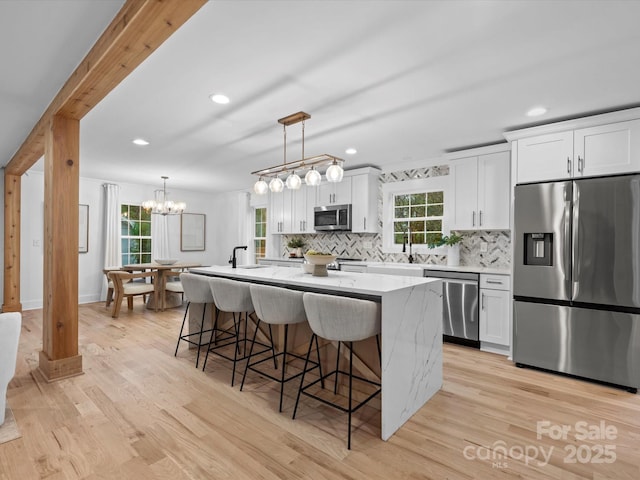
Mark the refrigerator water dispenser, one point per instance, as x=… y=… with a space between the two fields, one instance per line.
x=538 y=248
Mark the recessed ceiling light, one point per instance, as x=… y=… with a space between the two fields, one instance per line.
x=140 y=141
x=219 y=98
x=351 y=151
x=536 y=112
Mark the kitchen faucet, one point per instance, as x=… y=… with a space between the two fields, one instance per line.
x=404 y=245
x=232 y=258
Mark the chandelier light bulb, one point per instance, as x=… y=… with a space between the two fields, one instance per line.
x=260 y=187
x=313 y=178
x=276 y=185
x=334 y=173
x=293 y=181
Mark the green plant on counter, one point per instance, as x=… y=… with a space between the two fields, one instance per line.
x=448 y=240
x=296 y=242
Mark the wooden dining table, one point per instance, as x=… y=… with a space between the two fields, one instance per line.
x=164 y=271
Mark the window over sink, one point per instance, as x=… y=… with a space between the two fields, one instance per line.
x=414 y=210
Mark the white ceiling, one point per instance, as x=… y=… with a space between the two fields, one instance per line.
x=401 y=81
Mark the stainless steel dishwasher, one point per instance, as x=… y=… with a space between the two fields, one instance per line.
x=459 y=306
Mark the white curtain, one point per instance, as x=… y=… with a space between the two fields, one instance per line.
x=113 y=247
x=159 y=237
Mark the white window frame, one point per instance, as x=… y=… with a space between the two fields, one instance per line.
x=420 y=185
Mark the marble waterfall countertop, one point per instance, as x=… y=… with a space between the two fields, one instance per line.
x=411 y=337
x=369 y=284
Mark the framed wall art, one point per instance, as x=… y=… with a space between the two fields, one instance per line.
x=192 y=232
x=83 y=229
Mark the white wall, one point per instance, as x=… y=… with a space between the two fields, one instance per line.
x=225 y=228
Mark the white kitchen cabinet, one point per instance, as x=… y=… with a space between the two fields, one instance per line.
x=330 y=193
x=607 y=149
x=495 y=318
x=481 y=188
x=585 y=152
x=302 y=203
x=364 y=202
x=280 y=212
x=545 y=157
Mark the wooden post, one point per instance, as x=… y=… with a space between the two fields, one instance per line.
x=59 y=356
x=11 y=298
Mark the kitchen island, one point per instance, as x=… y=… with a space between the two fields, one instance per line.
x=411 y=334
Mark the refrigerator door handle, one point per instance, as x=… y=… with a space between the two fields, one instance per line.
x=566 y=221
x=575 y=254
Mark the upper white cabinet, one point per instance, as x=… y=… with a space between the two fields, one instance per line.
x=546 y=157
x=280 y=212
x=334 y=193
x=588 y=147
x=364 y=202
x=302 y=201
x=480 y=187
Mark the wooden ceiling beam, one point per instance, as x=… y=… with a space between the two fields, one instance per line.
x=136 y=32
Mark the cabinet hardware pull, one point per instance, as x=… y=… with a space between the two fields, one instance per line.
x=480 y=217
x=494 y=282
x=365 y=223
x=569 y=165
x=482 y=302
x=580 y=164
x=473 y=219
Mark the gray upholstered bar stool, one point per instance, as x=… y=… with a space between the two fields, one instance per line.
x=340 y=319
x=233 y=297
x=277 y=306
x=196 y=288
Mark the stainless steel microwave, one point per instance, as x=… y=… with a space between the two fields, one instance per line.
x=332 y=217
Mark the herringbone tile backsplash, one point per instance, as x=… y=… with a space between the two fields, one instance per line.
x=352 y=245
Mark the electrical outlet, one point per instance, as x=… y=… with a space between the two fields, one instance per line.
x=368 y=244
x=483 y=247
x=36 y=243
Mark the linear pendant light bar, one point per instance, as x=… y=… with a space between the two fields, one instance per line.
x=304 y=163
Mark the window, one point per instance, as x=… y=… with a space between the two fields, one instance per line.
x=418 y=215
x=418 y=206
x=135 y=234
x=260 y=233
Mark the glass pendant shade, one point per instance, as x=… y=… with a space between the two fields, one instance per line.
x=334 y=173
x=313 y=178
x=260 y=187
x=276 y=185
x=293 y=181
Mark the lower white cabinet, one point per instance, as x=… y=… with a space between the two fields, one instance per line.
x=495 y=318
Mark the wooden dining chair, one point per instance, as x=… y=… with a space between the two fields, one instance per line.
x=106 y=271
x=125 y=286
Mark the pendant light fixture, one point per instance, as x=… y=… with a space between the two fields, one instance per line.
x=161 y=204
x=293 y=181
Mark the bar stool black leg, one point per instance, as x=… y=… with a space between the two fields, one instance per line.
x=200 y=337
x=319 y=363
x=273 y=348
x=237 y=349
x=284 y=364
x=304 y=371
x=253 y=341
x=335 y=386
x=350 y=390
x=184 y=319
x=213 y=334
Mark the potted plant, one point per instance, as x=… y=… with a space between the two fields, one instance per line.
x=297 y=243
x=452 y=241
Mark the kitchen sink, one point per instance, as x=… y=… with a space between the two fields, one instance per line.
x=252 y=266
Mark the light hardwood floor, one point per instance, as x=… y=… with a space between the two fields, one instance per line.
x=138 y=412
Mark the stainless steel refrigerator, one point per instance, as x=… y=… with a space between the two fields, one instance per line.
x=577 y=278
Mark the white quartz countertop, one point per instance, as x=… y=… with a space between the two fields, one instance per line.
x=359 y=283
